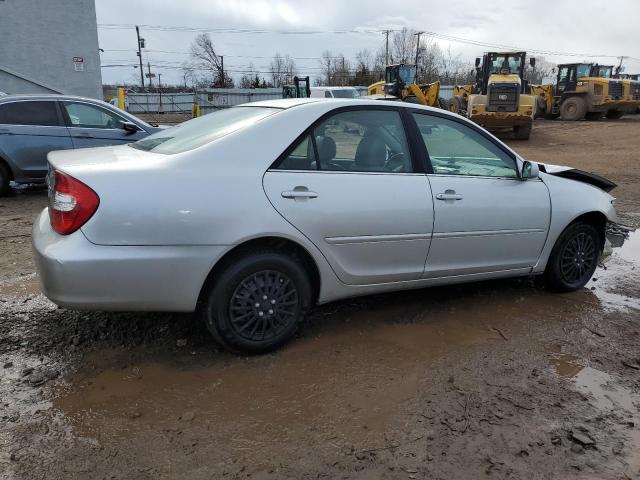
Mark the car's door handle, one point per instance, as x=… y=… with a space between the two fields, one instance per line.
x=448 y=195
x=299 y=194
x=84 y=135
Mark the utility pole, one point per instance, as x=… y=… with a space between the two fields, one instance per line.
x=160 y=91
x=417 y=51
x=386 y=47
x=140 y=45
x=149 y=75
x=222 y=68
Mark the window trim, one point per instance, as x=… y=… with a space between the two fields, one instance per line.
x=417 y=166
x=428 y=166
x=67 y=120
x=61 y=122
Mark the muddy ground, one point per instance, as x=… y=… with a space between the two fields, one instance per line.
x=488 y=380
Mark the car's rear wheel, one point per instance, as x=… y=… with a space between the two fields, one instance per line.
x=257 y=303
x=5 y=178
x=574 y=258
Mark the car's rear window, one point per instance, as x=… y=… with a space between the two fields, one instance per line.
x=199 y=131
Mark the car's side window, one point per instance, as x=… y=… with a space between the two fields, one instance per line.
x=83 y=115
x=42 y=113
x=363 y=141
x=302 y=157
x=457 y=149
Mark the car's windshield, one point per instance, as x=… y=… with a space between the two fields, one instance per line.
x=505 y=64
x=199 y=131
x=345 y=93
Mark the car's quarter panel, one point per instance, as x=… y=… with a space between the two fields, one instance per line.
x=76 y=273
x=371 y=227
x=570 y=199
x=497 y=224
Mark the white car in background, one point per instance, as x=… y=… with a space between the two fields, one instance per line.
x=334 y=92
x=253 y=214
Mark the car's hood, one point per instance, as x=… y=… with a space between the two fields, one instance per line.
x=579 y=175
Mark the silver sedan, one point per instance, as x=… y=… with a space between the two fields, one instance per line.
x=253 y=214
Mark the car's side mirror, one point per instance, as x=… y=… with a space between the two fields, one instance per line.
x=529 y=170
x=130 y=127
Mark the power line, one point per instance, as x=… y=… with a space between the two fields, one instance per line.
x=451 y=38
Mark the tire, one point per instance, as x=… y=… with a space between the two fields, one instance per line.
x=5 y=178
x=229 y=304
x=573 y=108
x=568 y=269
x=522 y=132
x=592 y=116
x=442 y=103
x=614 y=114
x=455 y=105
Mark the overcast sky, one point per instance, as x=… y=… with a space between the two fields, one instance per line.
x=564 y=26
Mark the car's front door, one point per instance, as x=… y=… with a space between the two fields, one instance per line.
x=94 y=126
x=486 y=218
x=29 y=129
x=349 y=186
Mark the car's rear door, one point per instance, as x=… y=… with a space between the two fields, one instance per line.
x=349 y=185
x=91 y=125
x=486 y=218
x=29 y=129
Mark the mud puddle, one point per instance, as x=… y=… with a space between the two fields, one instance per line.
x=612 y=400
x=616 y=282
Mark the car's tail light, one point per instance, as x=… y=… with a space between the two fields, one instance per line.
x=71 y=202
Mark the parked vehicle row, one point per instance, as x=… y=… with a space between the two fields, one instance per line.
x=253 y=214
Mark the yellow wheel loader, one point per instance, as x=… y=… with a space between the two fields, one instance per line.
x=400 y=84
x=500 y=98
x=630 y=92
x=582 y=90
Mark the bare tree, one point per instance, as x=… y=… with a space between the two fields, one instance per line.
x=282 y=69
x=403 y=46
x=204 y=57
x=326 y=63
x=247 y=80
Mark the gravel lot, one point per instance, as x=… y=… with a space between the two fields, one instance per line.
x=494 y=379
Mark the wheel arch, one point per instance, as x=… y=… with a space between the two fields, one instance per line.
x=280 y=244
x=595 y=218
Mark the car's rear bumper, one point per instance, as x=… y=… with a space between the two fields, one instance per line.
x=77 y=274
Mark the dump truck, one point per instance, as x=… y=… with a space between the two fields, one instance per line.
x=581 y=90
x=400 y=83
x=500 y=97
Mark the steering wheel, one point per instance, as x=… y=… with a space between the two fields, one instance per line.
x=395 y=162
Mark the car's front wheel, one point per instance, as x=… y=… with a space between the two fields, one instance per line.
x=574 y=258
x=257 y=302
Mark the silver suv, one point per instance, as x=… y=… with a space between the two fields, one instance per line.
x=33 y=125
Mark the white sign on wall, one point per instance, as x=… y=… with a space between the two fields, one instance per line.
x=78 y=64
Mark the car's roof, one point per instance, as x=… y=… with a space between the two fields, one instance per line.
x=331 y=103
x=45 y=96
